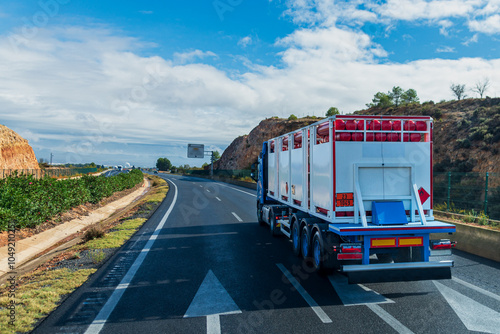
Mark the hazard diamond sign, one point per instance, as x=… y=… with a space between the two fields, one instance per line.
x=424 y=195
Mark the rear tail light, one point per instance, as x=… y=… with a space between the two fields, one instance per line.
x=442 y=244
x=351 y=248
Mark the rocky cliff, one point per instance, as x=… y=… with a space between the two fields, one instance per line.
x=466 y=135
x=244 y=150
x=15 y=152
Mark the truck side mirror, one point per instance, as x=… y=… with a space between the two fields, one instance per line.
x=252 y=174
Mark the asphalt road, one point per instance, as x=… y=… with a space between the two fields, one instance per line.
x=210 y=268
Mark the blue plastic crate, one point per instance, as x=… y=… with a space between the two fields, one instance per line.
x=389 y=213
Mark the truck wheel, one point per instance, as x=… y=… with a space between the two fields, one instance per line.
x=296 y=238
x=259 y=214
x=317 y=251
x=305 y=243
x=272 y=222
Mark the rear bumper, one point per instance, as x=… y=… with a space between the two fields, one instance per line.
x=395 y=272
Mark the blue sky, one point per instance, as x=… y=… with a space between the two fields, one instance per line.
x=119 y=82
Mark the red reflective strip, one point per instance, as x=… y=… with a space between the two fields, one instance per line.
x=356 y=256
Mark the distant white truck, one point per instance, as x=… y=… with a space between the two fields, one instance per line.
x=354 y=193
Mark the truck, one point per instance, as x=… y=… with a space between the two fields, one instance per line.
x=353 y=193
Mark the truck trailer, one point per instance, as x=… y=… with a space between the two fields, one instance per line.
x=354 y=194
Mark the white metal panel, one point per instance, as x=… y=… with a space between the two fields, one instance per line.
x=393 y=182
x=298 y=168
x=272 y=171
x=284 y=173
x=321 y=181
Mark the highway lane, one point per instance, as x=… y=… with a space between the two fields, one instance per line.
x=213 y=269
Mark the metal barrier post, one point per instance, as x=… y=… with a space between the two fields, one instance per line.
x=449 y=189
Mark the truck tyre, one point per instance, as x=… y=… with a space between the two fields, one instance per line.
x=317 y=252
x=305 y=243
x=272 y=222
x=296 y=238
x=259 y=214
x=322 y=261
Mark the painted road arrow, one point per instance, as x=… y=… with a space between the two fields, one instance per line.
x=212 y=301
x=475 y=316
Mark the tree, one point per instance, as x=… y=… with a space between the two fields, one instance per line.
x=216 y=155
x=396 y=95
x=163 y=164
x=292 y=117
x=332 y=112
x=381 y=100
x=458 y=90
x=410 y=96
x=481 y=87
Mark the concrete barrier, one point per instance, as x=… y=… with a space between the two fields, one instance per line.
x=474 y=239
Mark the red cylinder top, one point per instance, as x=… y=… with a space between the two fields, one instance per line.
x=339 y=124
x=351 y=125
x=387 y=125
x=323 y=129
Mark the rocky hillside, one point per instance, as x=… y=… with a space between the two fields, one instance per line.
x=466 y=135
x=15 y=152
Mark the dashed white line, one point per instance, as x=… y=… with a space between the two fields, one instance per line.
x=237 y=217
x=312 y=303
x=103 y=315
x=389 y=319
x=238 y=190
x=218 y=199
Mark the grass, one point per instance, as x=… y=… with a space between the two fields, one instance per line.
x=40 y=292
x=38 y=296
x=117 y=238
x=160 y=190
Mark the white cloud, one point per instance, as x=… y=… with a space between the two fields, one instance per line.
x=91 y=92
x=192 y=55
x=245 y=41
x=146 y=12
x=490 y=25
x=471 y=40
x=445 y=49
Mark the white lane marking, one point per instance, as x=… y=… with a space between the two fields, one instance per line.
x=212 y=300
x=237 y=217
x=241 y=191
x=476 y=288
x=475 y=316
x=213 y=324
x=355 y=294
x=389 y=319
x=103 y=315
x=312 y=303
x=207 y=190
x=218 y=199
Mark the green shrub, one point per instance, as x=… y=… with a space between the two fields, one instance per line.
x=29 y=202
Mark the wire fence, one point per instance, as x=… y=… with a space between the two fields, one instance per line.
x=465 y=192
x=52 y=172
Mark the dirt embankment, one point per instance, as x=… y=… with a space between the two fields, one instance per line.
x=15 y=152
